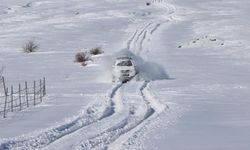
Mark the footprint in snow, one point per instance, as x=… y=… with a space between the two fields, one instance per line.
x=205 y=41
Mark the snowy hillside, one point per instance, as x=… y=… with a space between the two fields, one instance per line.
x=193 y=60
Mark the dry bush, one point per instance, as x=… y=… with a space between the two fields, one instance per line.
x=30 y=47
x=96 y=51
x=82 y=57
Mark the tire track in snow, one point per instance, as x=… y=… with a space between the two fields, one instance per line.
x=94 y=113
x=132 y=121
x=139 y=35
x=137 y=42
x=155 y=28
x=132 y=39
x=154 y=108
x=85 y=133
x=106 y=139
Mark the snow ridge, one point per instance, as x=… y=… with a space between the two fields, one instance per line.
x=112 y=137
x=94 y=113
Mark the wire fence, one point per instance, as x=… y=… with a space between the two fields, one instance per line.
x=22 y=97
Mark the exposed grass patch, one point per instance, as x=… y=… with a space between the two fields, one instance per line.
x=30 y=46
x=96 y=51
x=82 y=57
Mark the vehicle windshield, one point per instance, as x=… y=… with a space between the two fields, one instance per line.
x=125 y=63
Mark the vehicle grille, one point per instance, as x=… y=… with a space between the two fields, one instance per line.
x=125 y=75
x=124 y=71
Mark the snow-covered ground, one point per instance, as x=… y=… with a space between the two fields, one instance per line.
x=193 y=57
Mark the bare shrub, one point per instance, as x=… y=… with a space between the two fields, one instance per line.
x=96 y=51
x=82 y=57
x=30 y=47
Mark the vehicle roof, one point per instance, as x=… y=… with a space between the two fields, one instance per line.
x=123 y=57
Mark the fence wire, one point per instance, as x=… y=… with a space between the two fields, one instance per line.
x=22 y=97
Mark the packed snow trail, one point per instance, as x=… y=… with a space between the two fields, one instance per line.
x=119 y=113
x=154 y=108
x=139 y=43
x=128 y=115
x=94 y=113
x=130 y=120
x=141 y=38
x=136 y=117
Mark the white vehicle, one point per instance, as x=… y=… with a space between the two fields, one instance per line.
x=124 y=69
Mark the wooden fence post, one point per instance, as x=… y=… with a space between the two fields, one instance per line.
x=11 y=95
x=34 y=92
x=19 y=96
x=38 y=92
x=5 y=103
x=44 y=87
x=4 y=86
x=41 y=91
x=6 y=97
x=26 y=93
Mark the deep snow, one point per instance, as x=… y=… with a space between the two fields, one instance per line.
x=192 y=54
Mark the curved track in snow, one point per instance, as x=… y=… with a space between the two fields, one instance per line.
x=117 y=135
x=133 y=119
x=94 y=113
x=141 y=38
